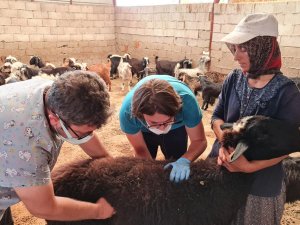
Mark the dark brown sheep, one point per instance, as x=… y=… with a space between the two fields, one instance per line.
x=141 y=192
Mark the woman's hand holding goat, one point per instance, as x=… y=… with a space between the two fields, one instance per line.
x=239 y=165
x=242 y=164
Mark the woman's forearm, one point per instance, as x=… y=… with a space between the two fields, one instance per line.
x=257 y=165
x=216 y=126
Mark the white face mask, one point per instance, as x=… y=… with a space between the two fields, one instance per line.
x=71 y=139
x=158 y=131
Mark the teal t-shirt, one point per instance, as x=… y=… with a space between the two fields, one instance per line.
x=190 y=115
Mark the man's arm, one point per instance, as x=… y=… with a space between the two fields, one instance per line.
x=198 y=142
x=94 y=148
x=138 y=143
x=41 y=202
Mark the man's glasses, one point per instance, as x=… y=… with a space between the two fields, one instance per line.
x=69 y=128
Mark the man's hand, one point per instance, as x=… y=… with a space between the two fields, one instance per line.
x=105 y=209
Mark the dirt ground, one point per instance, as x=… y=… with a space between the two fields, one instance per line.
x=117 y=144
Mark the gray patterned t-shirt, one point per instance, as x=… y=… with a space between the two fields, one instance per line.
x=28 y=149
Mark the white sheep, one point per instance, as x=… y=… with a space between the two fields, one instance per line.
x=10 y=59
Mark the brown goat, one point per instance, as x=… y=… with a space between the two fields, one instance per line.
x=103 y=70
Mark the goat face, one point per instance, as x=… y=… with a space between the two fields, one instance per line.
x=65 y=62
x=126 y=57
x=69 y=62
x=34 y=60
x=6 y=68
x=10 y=59
x=187 y=64
x=72 y=61
x=146 y=62
x=260 y=137
x=204 y=60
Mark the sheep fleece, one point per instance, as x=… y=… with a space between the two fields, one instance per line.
x=142 y=194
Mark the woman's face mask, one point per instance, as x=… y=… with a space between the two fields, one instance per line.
x=70 y=139
x=158 y=131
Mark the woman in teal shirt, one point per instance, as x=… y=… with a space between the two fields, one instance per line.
x=162 y=111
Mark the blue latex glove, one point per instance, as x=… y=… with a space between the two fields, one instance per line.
x=180 y=171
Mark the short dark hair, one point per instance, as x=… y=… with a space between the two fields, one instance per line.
x=155 y=96
x=80 y=98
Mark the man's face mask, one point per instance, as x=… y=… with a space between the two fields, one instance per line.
x=70 y=139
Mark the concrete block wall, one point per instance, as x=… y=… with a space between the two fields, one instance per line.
x=56 y=30
x=172 y=32
x=90 y=32
x=288 y=16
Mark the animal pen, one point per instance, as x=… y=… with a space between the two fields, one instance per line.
x=90 y=30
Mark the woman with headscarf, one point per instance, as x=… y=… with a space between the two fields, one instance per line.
x=257 y=88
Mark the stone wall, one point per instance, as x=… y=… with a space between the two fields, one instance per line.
x=90 y=32
x=171 y=32
x=177 y=31
x=56 y=30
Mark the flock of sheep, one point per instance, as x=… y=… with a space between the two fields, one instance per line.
x=125 y=67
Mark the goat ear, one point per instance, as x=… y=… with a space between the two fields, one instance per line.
x=225 y=126
x=239 y=150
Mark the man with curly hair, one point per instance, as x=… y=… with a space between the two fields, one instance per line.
x=36 y=117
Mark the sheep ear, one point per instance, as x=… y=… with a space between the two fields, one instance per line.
x=225 y=126
x=239 y=150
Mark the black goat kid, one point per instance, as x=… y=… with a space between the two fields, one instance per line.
x=261 y=137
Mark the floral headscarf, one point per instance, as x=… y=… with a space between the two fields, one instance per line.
x=264 y=54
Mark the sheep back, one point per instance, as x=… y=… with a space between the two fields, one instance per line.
x=141 y=192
